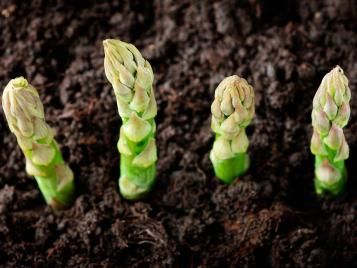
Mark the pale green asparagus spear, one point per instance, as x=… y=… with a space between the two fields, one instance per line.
x=132 y=79
x=25 y=115
x=232 y=111
x=331 y=112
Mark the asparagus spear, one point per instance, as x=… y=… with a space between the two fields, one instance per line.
x=331 y=112
x=232 y=111
x=25 y=116
x=132 y=79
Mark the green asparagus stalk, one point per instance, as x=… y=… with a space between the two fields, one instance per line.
x=232 y=111
x=331 y=112
x=132 y=79
x=25 y=116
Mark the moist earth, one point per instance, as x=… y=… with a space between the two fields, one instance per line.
x=270 y=217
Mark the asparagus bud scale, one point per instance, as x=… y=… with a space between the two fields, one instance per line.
x=25 y=116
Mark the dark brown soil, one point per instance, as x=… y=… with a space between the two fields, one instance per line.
x=269 y=218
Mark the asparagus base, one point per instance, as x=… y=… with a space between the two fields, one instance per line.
x=229 y=169
x=334 y=189
x=337 y=188
x=57 y=199
x=135 y=182
x=58 y=194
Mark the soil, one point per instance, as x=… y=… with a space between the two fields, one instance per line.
x=270 y=217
